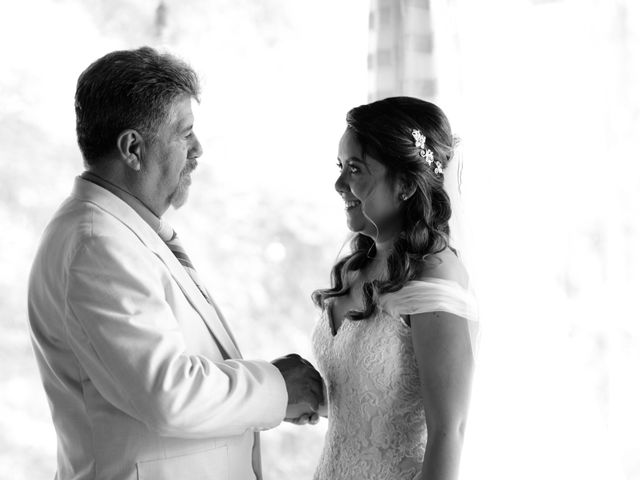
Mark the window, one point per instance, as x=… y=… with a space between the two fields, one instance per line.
x=421 y=43
x=383 y=57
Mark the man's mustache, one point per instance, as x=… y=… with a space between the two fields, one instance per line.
x=191 y=165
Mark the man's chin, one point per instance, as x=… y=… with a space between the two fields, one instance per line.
x=179 y=198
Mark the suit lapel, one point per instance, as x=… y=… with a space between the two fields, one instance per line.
x=223 y=321
x=208 y=313
x=85 y=190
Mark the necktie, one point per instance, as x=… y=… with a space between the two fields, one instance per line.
x=170 y=237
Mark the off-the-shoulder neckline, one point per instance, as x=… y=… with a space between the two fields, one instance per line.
x=436 y=280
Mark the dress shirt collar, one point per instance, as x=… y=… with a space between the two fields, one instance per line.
x=156 y=223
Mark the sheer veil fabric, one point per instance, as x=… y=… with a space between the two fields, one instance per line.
x=453 y=187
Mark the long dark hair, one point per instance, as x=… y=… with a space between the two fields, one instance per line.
x=384 y=130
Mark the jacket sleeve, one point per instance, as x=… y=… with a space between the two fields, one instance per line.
x=129 y=344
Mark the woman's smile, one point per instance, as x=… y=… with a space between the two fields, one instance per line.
x=351 y=204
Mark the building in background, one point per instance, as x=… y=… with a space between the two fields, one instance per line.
x=400 y=57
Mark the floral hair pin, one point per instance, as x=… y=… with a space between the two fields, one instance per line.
x=425 y=153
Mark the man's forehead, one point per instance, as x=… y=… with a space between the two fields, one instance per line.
x=181 y=113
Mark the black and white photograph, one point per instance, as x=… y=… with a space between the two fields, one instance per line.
x=338 y=240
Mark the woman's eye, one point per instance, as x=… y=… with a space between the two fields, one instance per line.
x=352 y=168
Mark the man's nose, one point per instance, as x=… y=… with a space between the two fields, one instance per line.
x=196 y=147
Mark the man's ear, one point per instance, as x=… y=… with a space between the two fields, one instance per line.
x=130 y=148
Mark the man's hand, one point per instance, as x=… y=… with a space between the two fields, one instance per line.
x=304 y=419
x=304 y=388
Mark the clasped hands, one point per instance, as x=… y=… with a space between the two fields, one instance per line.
x=304 y=387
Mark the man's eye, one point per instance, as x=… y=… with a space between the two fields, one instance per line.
x=339 y=165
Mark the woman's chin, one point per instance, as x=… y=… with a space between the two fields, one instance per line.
x=358 y=227
x=354 y=224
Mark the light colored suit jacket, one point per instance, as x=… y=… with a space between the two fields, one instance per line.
x=138 y=386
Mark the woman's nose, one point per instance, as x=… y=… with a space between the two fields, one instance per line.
x=340 y=185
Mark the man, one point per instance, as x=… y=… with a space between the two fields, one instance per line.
x=143 y=377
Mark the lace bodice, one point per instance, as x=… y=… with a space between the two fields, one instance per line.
x=377 y=428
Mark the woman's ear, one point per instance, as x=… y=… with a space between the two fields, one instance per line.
x=407 y=190
x=130 y=147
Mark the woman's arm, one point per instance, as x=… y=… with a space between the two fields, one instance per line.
x=445 y=362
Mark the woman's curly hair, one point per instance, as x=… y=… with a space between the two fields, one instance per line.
x=384 y=130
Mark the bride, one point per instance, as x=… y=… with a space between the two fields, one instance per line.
x=395 y=342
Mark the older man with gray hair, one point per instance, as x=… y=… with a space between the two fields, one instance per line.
x=143 y=376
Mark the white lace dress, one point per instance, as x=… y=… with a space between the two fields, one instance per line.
x=377 y=428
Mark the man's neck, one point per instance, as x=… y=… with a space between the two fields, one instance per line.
x=118 y=189
x=123 y=182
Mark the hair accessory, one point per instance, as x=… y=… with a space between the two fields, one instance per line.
x=425 y=152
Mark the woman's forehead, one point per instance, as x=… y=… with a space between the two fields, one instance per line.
x=349 y=144
x=351 y=149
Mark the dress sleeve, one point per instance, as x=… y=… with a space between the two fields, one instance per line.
x=436 y=295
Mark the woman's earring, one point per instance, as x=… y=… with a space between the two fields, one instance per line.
x=403 y=197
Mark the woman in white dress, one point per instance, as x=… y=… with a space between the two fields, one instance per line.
x=396 y=338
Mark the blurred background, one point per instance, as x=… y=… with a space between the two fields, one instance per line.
x=543 y=93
